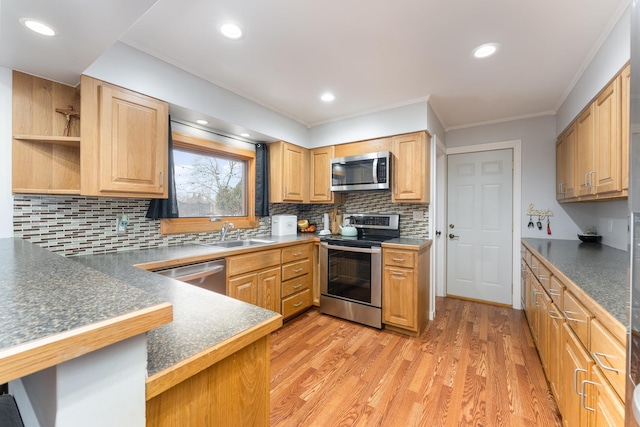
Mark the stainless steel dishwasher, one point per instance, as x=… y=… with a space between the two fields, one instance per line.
x=209 y=275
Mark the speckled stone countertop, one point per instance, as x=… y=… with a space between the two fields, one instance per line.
x=405 y=241
x=599 y=270
x=43 y=295
x=201 y=319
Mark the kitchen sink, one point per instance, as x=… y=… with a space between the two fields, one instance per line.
x=239 y=243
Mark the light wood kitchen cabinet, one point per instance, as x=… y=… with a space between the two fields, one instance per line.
x=255 y=278
x=411 y=168
x=363 y=147
x=607 y=170
x=585 y=153
x=565 y=162
x=297 y=278
x=124 y=142
x=584 y=360
x=405 y=292
x=600 y=158
x=576 y=365
x=288 y=173
x=625 y=103
x=320 y=177
x=44 y=160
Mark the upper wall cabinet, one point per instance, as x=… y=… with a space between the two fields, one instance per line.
x=124 y=142
x=288 y=177
x=320 y=177
x=95 y=140
x=411 y=168
x=46 y=147
x=600 y=157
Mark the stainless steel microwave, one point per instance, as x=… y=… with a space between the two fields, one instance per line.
x=363 y=172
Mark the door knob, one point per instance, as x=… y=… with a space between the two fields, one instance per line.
x=453 y=236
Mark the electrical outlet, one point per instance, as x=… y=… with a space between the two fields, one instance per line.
x=122 y=221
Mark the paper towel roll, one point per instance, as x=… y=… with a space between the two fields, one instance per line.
x=325 y=222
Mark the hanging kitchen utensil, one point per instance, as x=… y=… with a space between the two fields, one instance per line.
x=548 y=227
x=539 y=224
x=530 y=225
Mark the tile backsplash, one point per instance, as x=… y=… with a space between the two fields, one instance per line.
x=73 y=225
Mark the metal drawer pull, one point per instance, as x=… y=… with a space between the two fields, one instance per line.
x=398 y=259
x=602 y=365
x=566 y=315
x=297 y=286
x=298 y=304
x=297 y=270
x=575 y=380
x=398 y=274
x=553 y=315
x=583 y=395
x=554 y=292
x=297 y=254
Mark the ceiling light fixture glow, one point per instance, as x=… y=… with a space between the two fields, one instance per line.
x=202 y=122
x=245 y=135
x=231 y=31
x=485 y=50
x=38 y=27
x=328 y=97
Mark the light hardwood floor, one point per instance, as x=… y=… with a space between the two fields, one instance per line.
x=475 y=364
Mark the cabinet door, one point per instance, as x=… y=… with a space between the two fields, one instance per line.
x=625 y=99
x=399 y=297
x=606 y=408
x=576 y=365
x=244 y=288
x=320 y=185
x=269 y=289
x=555 y=354
x=565 y=165
x=585 y=153
x=543 y=320
x=411 y=168
x=294 y=171
x=607 y=140
x=133 y=142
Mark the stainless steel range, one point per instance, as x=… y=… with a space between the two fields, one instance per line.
x=351 y=269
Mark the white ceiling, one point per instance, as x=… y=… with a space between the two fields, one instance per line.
x=372 y=54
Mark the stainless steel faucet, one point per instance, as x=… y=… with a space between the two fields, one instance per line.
x=226 y=226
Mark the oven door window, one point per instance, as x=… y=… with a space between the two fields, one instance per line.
x=349 y=275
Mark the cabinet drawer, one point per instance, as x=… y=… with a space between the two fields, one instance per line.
x=609 y=355
x=544 y=276
x=296 y=269
x=296 y=285
x=393 y=257
x=296 y=253
x=526 y=255
x=240 y=264
x=296 y=303
x=556 y=291
x=578 y=318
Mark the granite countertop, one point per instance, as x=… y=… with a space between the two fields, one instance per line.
x=45 y=295
x=202 y=318
x=407 y=241
x=599 y=270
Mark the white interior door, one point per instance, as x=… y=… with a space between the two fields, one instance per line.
x=480 y=226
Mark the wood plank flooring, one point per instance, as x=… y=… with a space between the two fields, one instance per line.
x=474 y=365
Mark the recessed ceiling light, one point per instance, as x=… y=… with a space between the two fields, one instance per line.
x=38 y=27
x=231 y=31
x=327 y=97
x=202 y=122
x=485 y=50
x=245 y=134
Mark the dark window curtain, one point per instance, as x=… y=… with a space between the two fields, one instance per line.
x=166 y=208
x=262 y=180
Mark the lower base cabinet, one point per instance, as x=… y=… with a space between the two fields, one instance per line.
x=405 y=288
x=584 y=362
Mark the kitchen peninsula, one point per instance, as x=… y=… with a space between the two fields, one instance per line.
x=55 y=310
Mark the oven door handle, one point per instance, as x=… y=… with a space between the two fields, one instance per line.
x=374 y=250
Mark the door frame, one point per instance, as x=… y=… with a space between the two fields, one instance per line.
x=516 y=147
